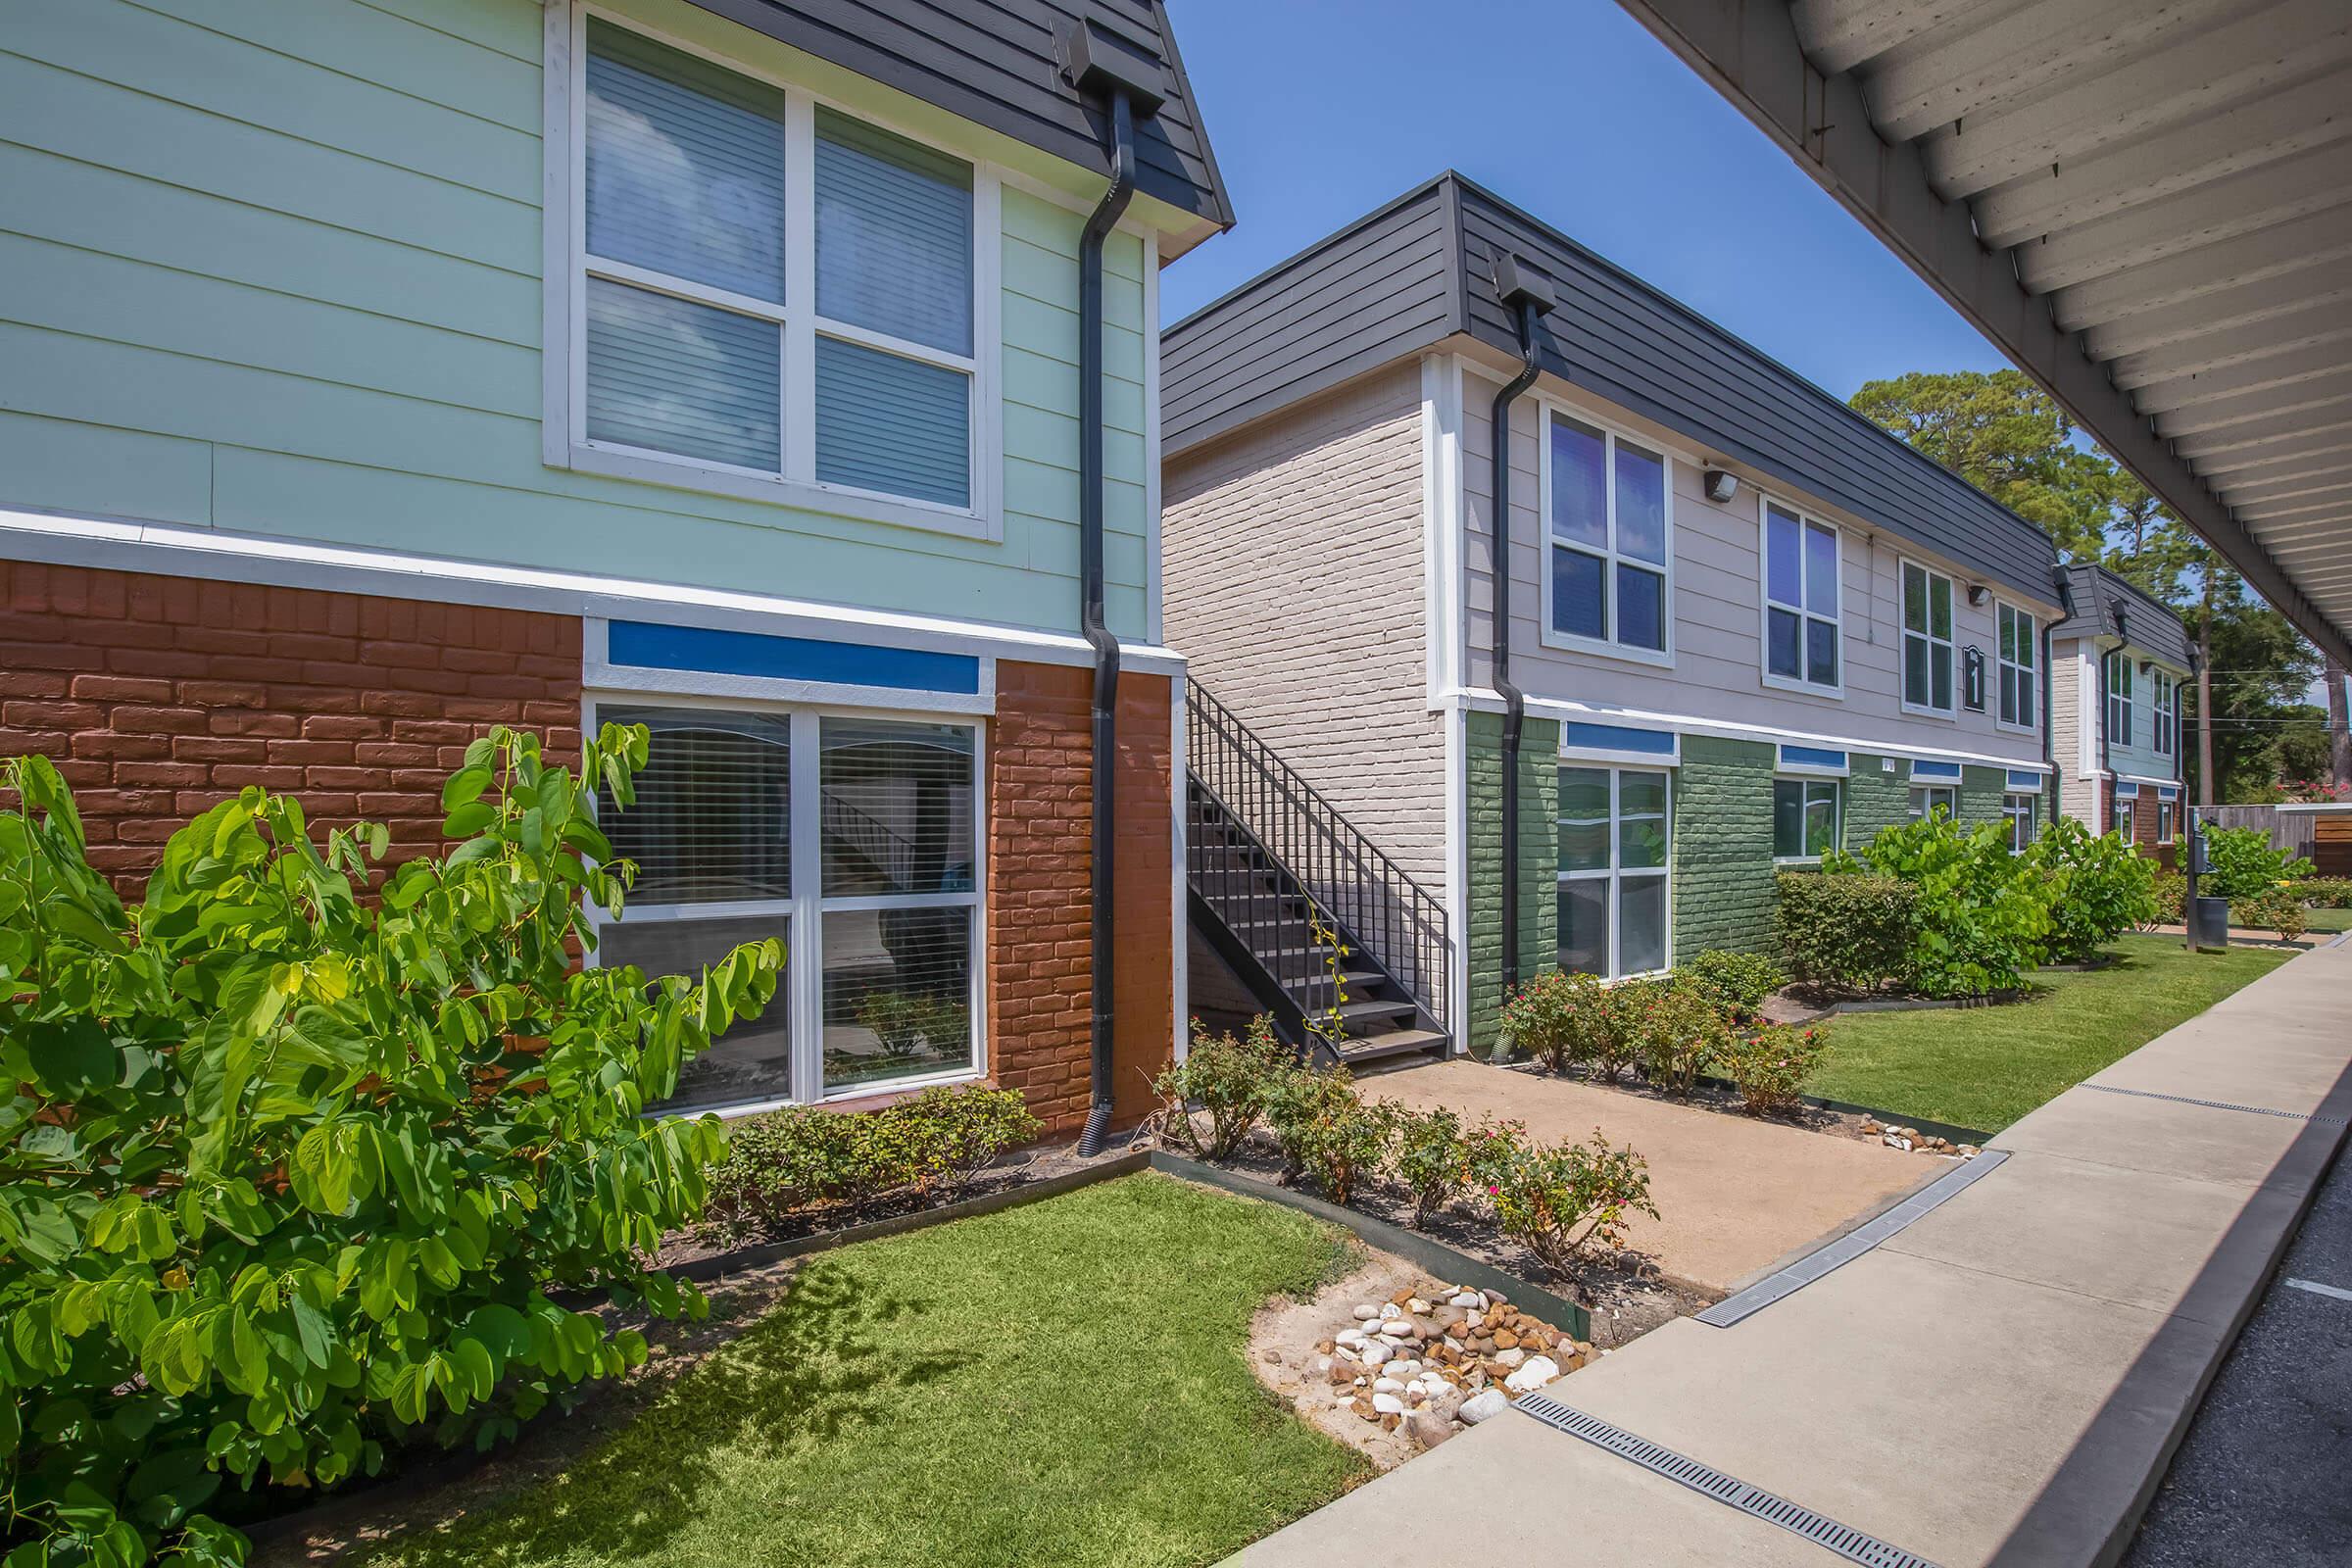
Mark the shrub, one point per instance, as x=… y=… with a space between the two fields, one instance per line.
x=1326 y=1130
x=1982 y=913
x=2098 y=886
x=1569 y=1021
x=1559 y=1201
x=1772 y=1066
x=2271 y=910
x=288 y=1173
x=1432 y=1159
x=1737 y=983
x=2242 y=862
x=2326 y=892
x=953 y=1133
x=2170 y=897
x=1846 y=933
x=1677 y=1029
x=1228 y=1079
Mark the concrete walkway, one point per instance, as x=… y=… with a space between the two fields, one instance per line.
x=2003 y=1382
x=1733 y=1195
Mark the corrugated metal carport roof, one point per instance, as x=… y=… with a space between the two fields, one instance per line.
x=2147 y=204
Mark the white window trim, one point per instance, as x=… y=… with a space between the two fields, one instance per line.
x=1932 y=789
x=1808 y=776
x=2118 y=696
x=803 y=994
x=1949 y=644
x=1766 y=604
x=2164 y=694
x=1614 y=874
x=2031 y=814
x=569 y=266
x=2000 y=665
x=1599 y=647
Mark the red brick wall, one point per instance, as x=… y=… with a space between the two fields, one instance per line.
x=1040 y=860
x=159 y=697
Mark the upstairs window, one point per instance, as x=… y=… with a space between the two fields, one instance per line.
x=2164 y=694
x=2019 y=696
x=2119 y=698
x=1610 y=528
x=770 y=291
x=1926 y=640
x=1800 y=600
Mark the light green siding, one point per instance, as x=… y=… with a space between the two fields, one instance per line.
x=276 y=268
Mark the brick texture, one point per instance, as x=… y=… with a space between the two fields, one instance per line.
x=1040 y=871
x=1723 y=889
x=1539 y=864
x=159 y=697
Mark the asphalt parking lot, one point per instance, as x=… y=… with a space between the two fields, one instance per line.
x=2265 y=1476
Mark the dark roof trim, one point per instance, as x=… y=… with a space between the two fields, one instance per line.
x=996 y=64
x=2149 y=623
x=1418 y=271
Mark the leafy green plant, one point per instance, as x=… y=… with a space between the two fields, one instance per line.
x=1772 y=1065
x=289 y=1175
x=1229 y=1079
x=951 y=1133
x=1981 y=914
x=911 y=1024
x=2098 y=886
x=1675 y=1031
x=1439 y=1160
x=1560 y=1202
x=2271 y=910
x=1566 y=1020
x=2242 y=862
x=1737 y=983
x=1327 y=1131
x=1847 y=932
x=2326 y=892
x=2169 y=893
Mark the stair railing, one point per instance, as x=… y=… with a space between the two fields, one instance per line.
x=1396 y=926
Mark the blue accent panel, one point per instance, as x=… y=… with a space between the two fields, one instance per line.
x=2167 y=792
x=1811 y=756
x=1576 y=736
x=2024 y=778
x=746 y=652
x=2126 y=792
x=1919 y=769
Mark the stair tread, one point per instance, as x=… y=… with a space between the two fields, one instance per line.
x=1393 y=1042
x=1374 y=1008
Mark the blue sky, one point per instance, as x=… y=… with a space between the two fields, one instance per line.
x=1321 y=110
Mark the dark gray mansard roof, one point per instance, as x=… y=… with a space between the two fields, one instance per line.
x=993 y=62
x=2148 y=623
x=1422 y=268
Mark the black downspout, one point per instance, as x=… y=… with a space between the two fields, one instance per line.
x=1090 y=605
x=1514 y=701
x=2049 y=731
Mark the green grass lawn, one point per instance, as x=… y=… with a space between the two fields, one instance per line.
x=2327 y=922
x=1059 y=1384
x=1983 y=1067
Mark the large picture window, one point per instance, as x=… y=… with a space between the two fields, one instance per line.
x=1804 y=817
x=1926 y=640
x=2164 y=710
x=854 y=839
x=770 y=291
x=2020 y=694
x=1615 y=834
x=1608 y=582
x=2119 y=698
x=1800 y=600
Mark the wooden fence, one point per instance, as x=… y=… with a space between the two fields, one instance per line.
x=2324 y=838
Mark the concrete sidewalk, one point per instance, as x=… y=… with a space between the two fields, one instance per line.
x=2002 y=1381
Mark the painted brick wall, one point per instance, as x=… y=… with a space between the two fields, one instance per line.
x=1723 y=888
x=1040 y=858
x=1539 y=863
x=1981 y=790
x=159 y=697
x=1875 y=799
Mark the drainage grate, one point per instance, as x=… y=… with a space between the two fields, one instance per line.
x=1853 y=1245
x=2218 y=1104
x=1848 y=1542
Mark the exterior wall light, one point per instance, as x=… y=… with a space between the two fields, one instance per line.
x=1721 y=486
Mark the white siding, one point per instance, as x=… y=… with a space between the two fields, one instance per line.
x=2069 y=698
x=1293 y=557
x=1718 y=636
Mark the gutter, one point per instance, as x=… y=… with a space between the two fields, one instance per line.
x=1097 y=64
x=1528 y=299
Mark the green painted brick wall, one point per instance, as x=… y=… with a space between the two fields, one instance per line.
x=1539 y=863
x=1980 y=792
x=1875 y=799
x=1723 y=889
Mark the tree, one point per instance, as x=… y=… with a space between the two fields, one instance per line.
x=2007 y=437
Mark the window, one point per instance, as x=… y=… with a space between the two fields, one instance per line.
x=854 y=839
x=2166 y=820
x=770 y=292
x=2015 y=633
x=1614 y=836
x=2164 y=710
x=1927 y=797
x=2019 y=809
x=2119 y=698
x=1608 y=584
x=1800 y=599
x=1926 y=640
x=1804 y=817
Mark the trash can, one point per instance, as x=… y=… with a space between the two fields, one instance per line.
x=2208 y=922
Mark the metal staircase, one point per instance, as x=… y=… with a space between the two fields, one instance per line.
x=1333 y=938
